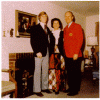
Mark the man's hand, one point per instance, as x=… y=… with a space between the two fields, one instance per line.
x=75 y=56
x=39 y=55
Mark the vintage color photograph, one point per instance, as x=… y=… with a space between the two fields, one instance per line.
x=50 y=49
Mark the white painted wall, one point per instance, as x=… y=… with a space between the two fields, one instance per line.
x=90 y=28
x=11 y=45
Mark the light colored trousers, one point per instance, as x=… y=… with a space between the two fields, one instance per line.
x=41 y=76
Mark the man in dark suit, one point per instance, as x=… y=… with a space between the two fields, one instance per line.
x=40 y=41
x=73 y=39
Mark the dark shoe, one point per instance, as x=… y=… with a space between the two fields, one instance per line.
x=39 y=94
x=57 y=92
x=72 y=93
x=47 y=91
x=66 y=91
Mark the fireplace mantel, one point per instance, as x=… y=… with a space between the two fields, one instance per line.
x=16 y=45
x=13 y=45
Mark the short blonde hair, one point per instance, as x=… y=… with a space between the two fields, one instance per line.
x=42 y=13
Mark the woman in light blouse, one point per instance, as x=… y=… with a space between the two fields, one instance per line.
x=57 y=56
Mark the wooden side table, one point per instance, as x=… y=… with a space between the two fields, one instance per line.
x=89 y=63
x=89 y=66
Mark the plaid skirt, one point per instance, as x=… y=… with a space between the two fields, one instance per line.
x=56 y=71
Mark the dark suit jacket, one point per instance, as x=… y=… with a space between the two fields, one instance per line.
x=39 y=40
x=60 y=44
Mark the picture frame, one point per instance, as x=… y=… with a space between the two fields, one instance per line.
x=23 y=22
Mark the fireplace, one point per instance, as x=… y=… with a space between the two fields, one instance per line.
x=22 y=65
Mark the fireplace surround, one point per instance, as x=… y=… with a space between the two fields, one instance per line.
x=22 y=65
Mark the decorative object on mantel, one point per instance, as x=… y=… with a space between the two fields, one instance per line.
x=92 y=41
x=4 y=34
x=17 y=34
x=23 y=22
x=11 y=32
x=4 y=27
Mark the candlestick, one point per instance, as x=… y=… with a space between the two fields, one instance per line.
x=4 y=34
x=4 y=27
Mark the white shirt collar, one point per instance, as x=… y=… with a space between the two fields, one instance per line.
x=42 y=24
x=70 y=24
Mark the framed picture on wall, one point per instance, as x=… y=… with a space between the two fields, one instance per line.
x=23 y=22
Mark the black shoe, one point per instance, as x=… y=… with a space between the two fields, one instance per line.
x=66 y=91
x=72 y=93
x=47 y=91
x=57 y=92
x=39 y=94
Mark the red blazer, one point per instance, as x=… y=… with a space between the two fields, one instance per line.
x=73 y=39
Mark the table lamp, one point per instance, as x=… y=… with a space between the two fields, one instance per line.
x=92 y=41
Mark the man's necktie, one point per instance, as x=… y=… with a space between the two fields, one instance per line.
x=45 y=28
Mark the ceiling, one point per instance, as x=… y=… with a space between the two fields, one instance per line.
x=86 y=8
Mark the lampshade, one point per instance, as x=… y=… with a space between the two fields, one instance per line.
x=92 y=41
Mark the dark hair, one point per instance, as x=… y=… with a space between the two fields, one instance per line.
x=56 y=19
